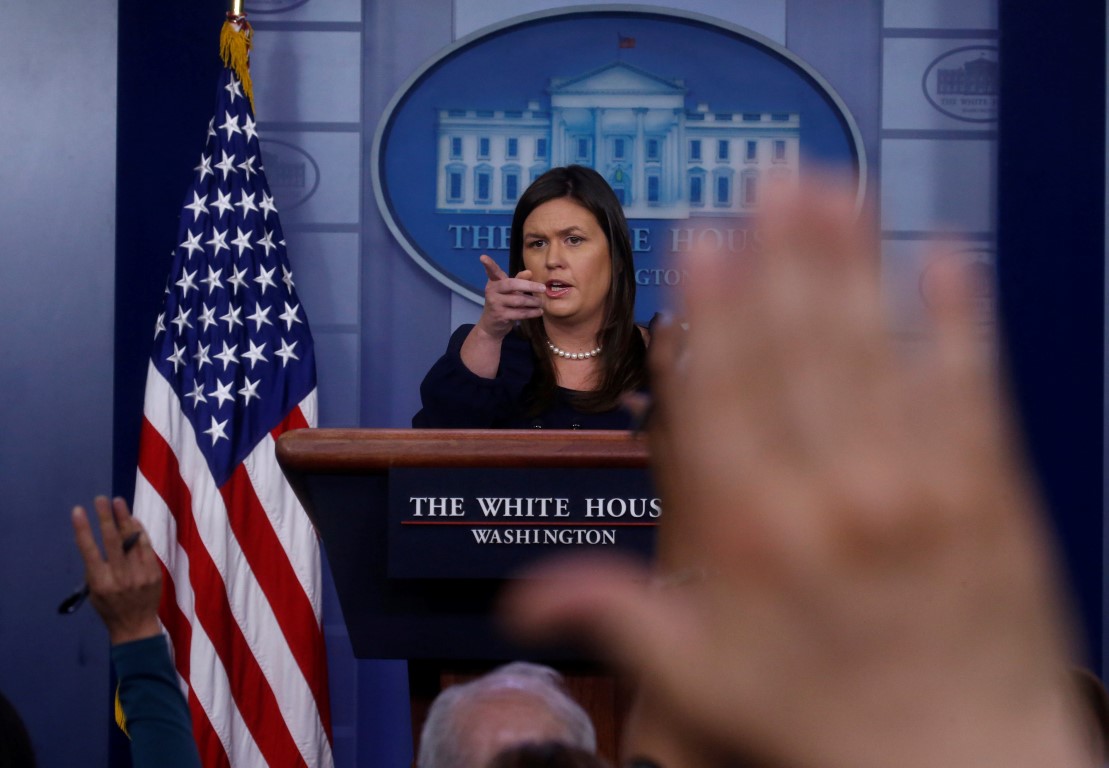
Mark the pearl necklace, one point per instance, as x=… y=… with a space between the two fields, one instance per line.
x=573 y=355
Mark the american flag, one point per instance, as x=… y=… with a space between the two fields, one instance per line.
x=232 y=368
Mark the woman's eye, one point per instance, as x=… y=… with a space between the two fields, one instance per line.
x=574 y=240
x=535 y=244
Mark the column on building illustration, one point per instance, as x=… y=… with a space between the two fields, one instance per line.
x=676 y=161
x=598 y=158
x=558 y=142
x=639 y=166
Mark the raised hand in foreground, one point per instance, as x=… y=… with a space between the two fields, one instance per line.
x=874 y=584
x=125 y=583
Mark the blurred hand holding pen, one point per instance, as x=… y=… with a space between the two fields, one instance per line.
x=77 y=598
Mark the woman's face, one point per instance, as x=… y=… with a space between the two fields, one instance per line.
x=566 y=249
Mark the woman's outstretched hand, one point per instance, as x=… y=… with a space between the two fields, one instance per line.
x=508 y=299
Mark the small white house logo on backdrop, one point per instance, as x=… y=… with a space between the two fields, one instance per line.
x=293 y=174
x=964 y=83
x=982 y=261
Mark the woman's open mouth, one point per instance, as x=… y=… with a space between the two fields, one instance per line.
x=557 y=289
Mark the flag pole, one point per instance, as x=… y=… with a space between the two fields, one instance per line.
x=235 y=41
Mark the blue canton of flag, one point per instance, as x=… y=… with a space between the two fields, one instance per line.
x=233 y=339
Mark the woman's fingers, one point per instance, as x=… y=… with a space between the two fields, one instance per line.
x=517 y=299
x=510 y=299
x=514 y=287
x=492 y=269
x=502 y=283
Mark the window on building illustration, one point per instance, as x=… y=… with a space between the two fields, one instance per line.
x=456 y=147
x=780 y=117
x=779 y=151
x=583 y=150
x=752 y=151
x=483 y=185
x=511 y=147
x=652 y=149
x=536 y=171
x=722 y=149
x=483 y=148
x=750 y=189
x=723 y=190
x=752 y=117
x=618 y=149
x=540 y=147
x=620 y=181
x=697 y=189
x=780 y=175
x=653 y=189
x=695 y=149
x=454 y=186
x=511 y=185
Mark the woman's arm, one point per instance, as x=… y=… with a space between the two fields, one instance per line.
x=454 y=397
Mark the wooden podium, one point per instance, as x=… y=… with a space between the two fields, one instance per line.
x=444 y=627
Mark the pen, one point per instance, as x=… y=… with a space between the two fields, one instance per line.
x=74 y=601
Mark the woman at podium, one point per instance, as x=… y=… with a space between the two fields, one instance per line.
x=556 y=345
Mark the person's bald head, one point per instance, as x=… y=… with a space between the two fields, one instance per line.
x=518 y=703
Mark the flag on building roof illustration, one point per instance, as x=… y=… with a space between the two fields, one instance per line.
x=232 y=368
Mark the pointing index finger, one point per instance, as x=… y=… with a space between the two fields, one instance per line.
x=492 y=269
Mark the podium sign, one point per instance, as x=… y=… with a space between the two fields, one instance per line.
x=489 y=523
x=428 y=591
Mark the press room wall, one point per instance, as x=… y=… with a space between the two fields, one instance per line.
x=57 y=281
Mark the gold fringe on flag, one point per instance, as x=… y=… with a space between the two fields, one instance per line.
x=235 y=41
x=121 y=717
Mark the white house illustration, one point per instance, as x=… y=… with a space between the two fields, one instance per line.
x=663 y=160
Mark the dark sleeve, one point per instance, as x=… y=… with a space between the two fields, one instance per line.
x=454 y=397
x=157 y=715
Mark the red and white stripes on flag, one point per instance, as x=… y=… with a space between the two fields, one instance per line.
x=241 y=599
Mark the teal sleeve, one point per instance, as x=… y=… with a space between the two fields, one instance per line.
x=157 y=714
